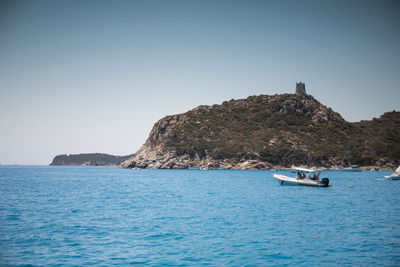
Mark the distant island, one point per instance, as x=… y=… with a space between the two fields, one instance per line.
x=89 y=159
x=268 y=131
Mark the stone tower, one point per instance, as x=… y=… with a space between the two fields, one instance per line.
x=300 y=89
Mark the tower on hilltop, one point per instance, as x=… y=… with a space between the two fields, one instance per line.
x=300 y=89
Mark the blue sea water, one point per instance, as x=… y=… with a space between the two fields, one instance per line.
x=109 y=216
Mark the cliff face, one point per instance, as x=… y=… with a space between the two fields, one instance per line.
x=90 y=159
x=262 y=132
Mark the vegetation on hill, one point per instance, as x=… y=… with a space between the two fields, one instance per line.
x=258 y=128
x=378 y=139
x=279 y=130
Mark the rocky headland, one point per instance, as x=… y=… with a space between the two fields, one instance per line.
x=268 y=131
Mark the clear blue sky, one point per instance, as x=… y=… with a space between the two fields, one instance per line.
x=94 y=76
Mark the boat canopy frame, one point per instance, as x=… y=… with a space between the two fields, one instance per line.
x=308 y=172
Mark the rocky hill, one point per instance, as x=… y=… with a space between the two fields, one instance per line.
x=263 y=132
x=90 y=159
x=378 y=141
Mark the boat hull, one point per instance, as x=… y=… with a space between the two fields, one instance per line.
x=393 y=177
x=285 y=180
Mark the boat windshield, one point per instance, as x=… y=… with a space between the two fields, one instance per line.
x=304 y=169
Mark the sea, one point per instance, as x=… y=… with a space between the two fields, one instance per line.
x=81 y=216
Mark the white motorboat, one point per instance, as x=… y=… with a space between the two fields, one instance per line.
x=395 y=175
x=307 y=177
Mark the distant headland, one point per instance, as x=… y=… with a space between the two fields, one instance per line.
x=268 y=131
x=89 y=159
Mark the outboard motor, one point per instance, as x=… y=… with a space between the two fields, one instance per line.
x=325 y=182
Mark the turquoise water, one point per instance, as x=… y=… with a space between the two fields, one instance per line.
x=108 y=216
